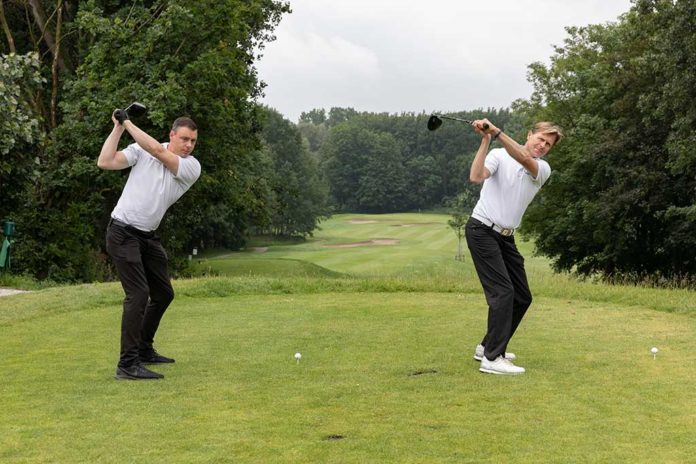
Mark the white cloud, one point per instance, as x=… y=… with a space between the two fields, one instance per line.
x=314 y=56
x=414 y=55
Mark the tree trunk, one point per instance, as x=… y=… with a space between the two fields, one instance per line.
x=6 y=28
x=54 y=67
x=40 y=18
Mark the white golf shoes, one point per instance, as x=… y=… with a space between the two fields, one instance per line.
x=478 y=354
x=500 y=366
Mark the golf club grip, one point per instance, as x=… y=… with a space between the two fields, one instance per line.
x=485 y=124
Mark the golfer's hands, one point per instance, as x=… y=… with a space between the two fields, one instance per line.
x=117 y=123
x=119 y=116
x=480 y=126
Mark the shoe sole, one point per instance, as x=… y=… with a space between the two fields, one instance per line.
x=156 y=362
x=480 y=358
x=491 y=371
x=128 y=377
x=118 y=376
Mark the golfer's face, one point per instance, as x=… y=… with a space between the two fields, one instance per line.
x=539 y=143
x=182 y=141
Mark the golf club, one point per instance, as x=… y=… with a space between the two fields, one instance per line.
x=435 y=121
x=134 y=109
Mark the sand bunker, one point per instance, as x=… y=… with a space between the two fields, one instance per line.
x=413 y=224
x=10 y=291
x=260 y=249
x=379 y=241
x=361 y=221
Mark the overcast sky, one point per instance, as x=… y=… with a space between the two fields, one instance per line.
x=416 y=55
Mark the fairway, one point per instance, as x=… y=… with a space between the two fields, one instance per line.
x=386 y=374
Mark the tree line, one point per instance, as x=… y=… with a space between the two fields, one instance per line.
x=384 y=163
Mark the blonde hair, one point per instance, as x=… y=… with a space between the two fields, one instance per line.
x=546 y=127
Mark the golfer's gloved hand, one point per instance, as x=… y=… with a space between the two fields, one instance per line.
x=120 y=115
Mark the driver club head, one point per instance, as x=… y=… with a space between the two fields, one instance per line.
x=136 y=109
x=434 y=122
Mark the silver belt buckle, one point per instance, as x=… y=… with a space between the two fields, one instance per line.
x=506 y=232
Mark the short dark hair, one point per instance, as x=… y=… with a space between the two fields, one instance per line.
x=184 y=122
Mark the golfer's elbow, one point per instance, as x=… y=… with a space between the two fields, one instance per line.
x=478 y=173
x=476 y=178
x=102 y=164
x=111 y=162
x=157 y=150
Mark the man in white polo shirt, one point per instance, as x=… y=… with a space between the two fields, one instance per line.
x=511 y=177
x=160 y=174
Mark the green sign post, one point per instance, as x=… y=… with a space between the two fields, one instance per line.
x=8 y=228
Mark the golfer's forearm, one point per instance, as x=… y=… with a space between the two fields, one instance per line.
x=107 y=156
x=146 y=142
x=518 y=152
x=153 y=147
x=477 y=174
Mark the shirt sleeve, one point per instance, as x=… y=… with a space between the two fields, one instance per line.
x=189 y=170
x=492 y=161
x=543 y=174
x=133 y=153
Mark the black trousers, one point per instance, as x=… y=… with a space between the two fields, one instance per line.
x=141 y=264
x=500 y=268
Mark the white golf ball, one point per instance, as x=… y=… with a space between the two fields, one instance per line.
x=654 y=350
x=298 y=356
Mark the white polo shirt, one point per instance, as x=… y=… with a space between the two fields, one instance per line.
x=151 y=188
x=506 y=194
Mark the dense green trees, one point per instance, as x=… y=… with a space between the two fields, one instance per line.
x=79 y=61
x=379 y=162
x=299 y=193
x=622 y=201
x=19 y=126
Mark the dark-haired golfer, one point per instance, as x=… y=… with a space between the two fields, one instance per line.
x=161 y=173
x=511 y=177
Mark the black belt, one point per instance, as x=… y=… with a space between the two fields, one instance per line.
x=130 y=228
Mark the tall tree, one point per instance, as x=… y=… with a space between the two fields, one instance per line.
x=344 y=157
x=622 y=199
x=382 y=187
x=300 y=195
x=20 y=128
x=177 y=57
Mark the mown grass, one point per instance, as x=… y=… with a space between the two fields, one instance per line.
x=423 y=260
x=386 y=373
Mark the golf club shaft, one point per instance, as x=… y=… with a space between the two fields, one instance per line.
x=485 y=126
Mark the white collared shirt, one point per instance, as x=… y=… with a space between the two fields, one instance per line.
x=151 y=188
x=509 y=190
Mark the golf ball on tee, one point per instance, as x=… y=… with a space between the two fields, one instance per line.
x=654 y=350
x=298 y=356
